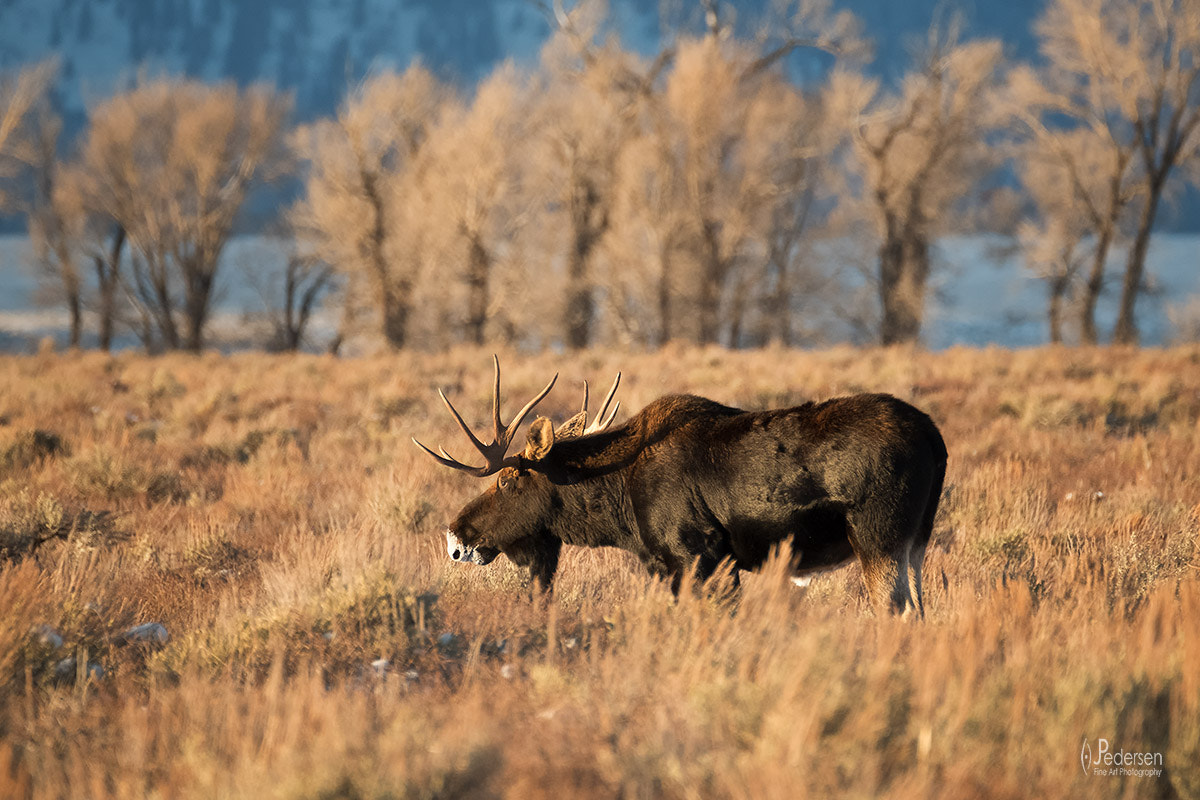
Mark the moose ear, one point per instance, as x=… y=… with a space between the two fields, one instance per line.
x=541 y=439
x=572 y=427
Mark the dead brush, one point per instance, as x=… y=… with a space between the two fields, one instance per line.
x=308 y=657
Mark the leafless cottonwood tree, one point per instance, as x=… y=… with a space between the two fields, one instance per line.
x=171 y=162
x=736 y=133
x=717 y=167
x=919 y=151
x=1136 y=64
x=72 y=235
x=1052 y=242
x=476 y=201
x=1079 y=185
x=361 y=211
x=1079 y=176
x=584 y=116
x=54 y=227
x=21 y=93
x=293 y=295
x=59 y=219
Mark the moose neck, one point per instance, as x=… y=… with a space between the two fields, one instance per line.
x=590 y=483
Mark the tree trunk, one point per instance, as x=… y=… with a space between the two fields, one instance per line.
x=1126 y=331
x=1091 y=290
x=778 y=307
x=166 y=323
x=664 y=296
x=580 y=300
x=712 y=271
x=196 y=305
x=106 y=309
x=395 y=315
x=478 y=266
x=194 y=335
x=107 y=281
x=1057 y=289
x=903 y=272
x=75 y=304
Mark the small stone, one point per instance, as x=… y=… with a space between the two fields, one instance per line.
x=48 y=636
x=65 y=670
x=150 y=633
x=412 y=676
x=380 y=665
x=570 y=643
x=508 y=672
x=446 y=639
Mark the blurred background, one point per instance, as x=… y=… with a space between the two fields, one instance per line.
x=352 y=176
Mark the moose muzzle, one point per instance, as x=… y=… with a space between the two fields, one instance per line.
x=472 y=555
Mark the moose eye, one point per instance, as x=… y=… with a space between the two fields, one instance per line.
x=503 y=481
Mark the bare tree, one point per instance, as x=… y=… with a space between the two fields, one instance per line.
x=476 y=201
x=294 y=296
x=54 y=223
x=171 y=162
x=361 y=212
x=1137 y=66
x=919 y=151
x=584 y=117
x=644 y=275
x=1079 y=184
x=1083 y=175
x=21 y=94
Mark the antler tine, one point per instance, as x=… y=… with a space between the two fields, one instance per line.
x=497 y=425
x=494 y=453
x=447 y=460
x=480 y=446
x=602 y=422
x=511 y=430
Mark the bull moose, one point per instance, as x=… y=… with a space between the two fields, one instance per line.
x=687 y=483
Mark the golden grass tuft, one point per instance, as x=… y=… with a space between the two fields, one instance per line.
x=271 y=512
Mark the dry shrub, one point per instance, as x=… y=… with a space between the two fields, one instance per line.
x=288 y=536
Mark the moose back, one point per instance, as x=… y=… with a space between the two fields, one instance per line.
x=687 y=483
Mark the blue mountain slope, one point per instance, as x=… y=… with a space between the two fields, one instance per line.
x=316 y=48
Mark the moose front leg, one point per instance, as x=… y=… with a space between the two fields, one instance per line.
x=538 y=554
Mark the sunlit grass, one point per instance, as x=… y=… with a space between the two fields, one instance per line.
x=271 y=512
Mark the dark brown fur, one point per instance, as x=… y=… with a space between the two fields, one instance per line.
x=691 y=482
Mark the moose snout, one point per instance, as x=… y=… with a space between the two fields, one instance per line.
x=454 y=547
x=459 y=551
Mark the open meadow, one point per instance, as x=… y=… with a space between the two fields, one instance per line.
x=272 y=514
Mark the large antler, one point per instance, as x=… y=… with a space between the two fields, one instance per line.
x=601 y=422
x=502 y=435
x=578 y=425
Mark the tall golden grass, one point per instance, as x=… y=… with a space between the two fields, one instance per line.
x=271 y=512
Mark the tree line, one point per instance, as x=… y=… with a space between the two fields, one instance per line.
x=702 y=192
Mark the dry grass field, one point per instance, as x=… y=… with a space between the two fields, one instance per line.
x=272 y=513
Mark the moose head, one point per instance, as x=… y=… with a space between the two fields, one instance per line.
x=515 y=514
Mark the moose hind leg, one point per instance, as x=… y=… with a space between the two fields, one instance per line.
x=915 y=558
x=887 y=581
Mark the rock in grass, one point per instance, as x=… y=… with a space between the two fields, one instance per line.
x=148 y=633
x=47 y=636
x=67 y=670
